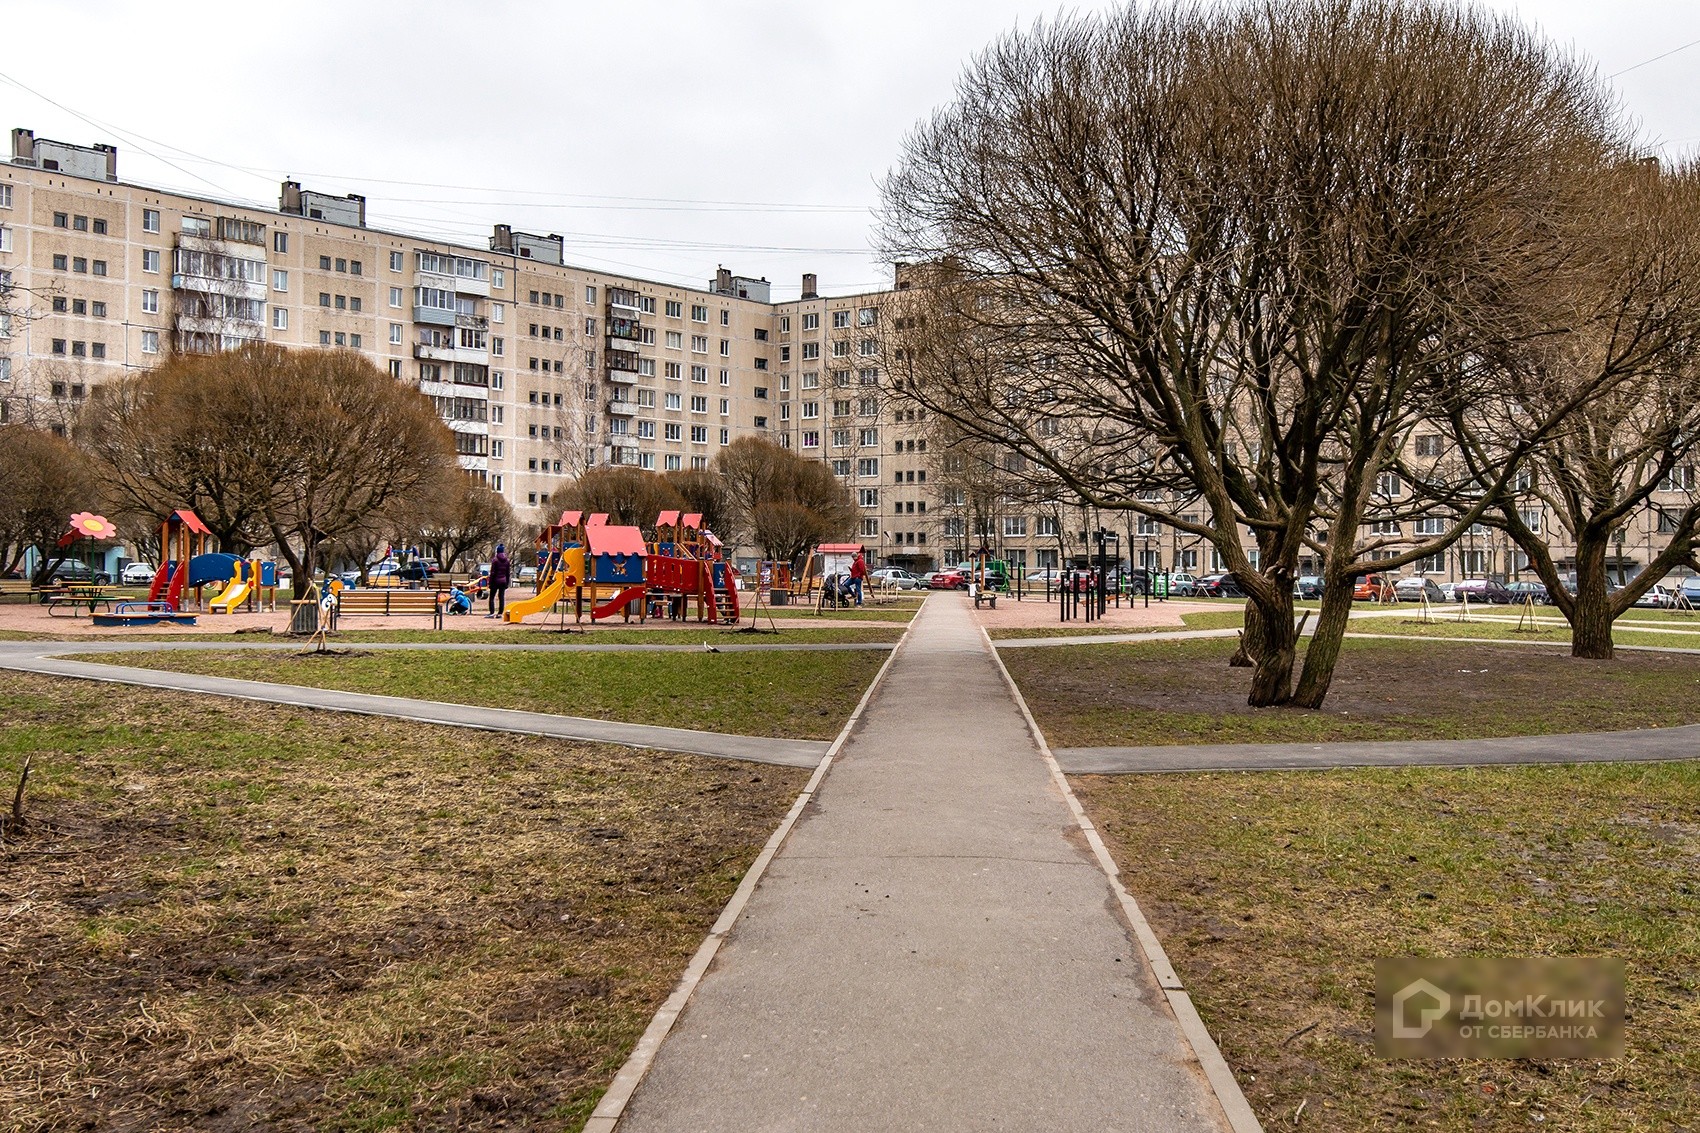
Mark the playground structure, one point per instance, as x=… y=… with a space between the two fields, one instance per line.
x=581 y=558
x=186 y=568
x=826 y=562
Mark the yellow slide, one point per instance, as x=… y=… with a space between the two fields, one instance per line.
x=229 y=598
x=542 y=603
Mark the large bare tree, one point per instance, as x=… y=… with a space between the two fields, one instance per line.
x=1626 y=326
x=44 y=480
x=779 y=502
x=1232 y=255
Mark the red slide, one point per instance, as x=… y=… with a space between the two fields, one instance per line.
x=160 y=578
x=178 y=581
x=619 y=602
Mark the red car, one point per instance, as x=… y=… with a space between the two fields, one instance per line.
x=947 y=580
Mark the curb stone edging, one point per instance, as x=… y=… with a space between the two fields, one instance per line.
x=1241 y=1118
x=612 y=1107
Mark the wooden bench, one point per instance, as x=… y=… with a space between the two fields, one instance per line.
x=390 y=603
x=985 y=597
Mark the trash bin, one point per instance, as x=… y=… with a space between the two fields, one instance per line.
x=779 y=598
x=304 y=618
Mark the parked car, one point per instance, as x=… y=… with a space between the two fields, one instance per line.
x=1371 y=587
x=1134 y=581
x=893 y=578
x=1522 y=590
x=1223 y=585
x=78 y=572
x=1658 y=597
x=1416 y=588
x=1482 y=590
x=526 y=573
x=1050 y=576
x=136 y=574
x=1689 y=592
x=996 y=579
x=1182 y=585
x=1307 y=587
x=947 y=580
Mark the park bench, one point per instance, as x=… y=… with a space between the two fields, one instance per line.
x=77 y=599
x=985 y=597
x=17 y=588
x=390 y=603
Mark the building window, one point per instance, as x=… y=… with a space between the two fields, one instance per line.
x=699 y=434
x=726 y=352
x=395 y=261
x=80 y=264
x=324 y=338
x=395 y=296
x=61 y=220
x=395 y=333
x=150 y=262
x=150 y=302
x=5 y=196
x=99 y=267
x=868 y=497
x=280 y=242
x=868 y=466
x=61 y=263
x=150 y=342
x=280 y=318
x=58 y=346
x=97 y=350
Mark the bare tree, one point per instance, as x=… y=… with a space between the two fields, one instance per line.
x=44 y=480
x=780 y=502
x=473 y=521
x=629 y=496
x=1626 y=323
x=1233 y=255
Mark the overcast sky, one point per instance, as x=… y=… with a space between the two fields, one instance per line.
x=660 y=138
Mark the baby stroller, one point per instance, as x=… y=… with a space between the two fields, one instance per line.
x=835 y=591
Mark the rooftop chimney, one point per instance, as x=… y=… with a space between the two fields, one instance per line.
x=810 y=290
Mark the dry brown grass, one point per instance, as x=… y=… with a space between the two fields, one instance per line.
x=224 y=915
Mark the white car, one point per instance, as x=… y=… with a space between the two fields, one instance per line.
x=895 y=578
x=137 y=573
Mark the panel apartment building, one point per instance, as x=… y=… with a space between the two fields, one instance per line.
x=539 y=368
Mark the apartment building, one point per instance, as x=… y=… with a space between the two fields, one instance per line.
x=541 y=368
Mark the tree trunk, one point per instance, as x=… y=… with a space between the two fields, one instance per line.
x=1590 y=625
x=1251 y=639
x=1325 y=641
x=1276 y=650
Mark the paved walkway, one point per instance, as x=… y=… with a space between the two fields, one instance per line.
x=33 y=657
x=1649 y=745
x=934 y=947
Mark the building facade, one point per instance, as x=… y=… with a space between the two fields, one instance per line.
x=539 y=368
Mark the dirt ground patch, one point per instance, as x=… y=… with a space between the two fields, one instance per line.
x=223 y=915
x=1274 y=894
x=1183 y=692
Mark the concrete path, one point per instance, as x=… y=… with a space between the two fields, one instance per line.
x=1648 y=745
x=759 y=749
x=935 y=947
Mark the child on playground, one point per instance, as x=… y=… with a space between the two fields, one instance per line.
x=459 y=601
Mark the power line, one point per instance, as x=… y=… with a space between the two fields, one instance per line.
x=1654 y=59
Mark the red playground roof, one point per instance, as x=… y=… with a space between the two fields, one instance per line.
x=838 y=548
x=667 y=519
x=605 y=540
x=693 y=520
x=192 y=521
x=597 y=519
x=570 y=518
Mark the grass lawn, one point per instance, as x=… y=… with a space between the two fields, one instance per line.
x=1275 y=893
x=1180 y=692
x=226 y=915
x=1211 y=619
x=796 y=695
x=899 y=614
x=821 y=633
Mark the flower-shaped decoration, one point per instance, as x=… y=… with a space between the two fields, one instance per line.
x=90 y=526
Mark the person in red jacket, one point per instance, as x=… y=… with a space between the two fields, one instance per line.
x=858 y=572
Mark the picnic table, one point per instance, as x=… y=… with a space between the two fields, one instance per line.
x=75 y=598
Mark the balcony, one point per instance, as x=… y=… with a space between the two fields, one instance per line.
x=434 y=353
x=622 y=408
x=622 y=332
x=624 y=377
x=622 y=454
x=434 y=316
x=472 y=322
x=622 y=360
